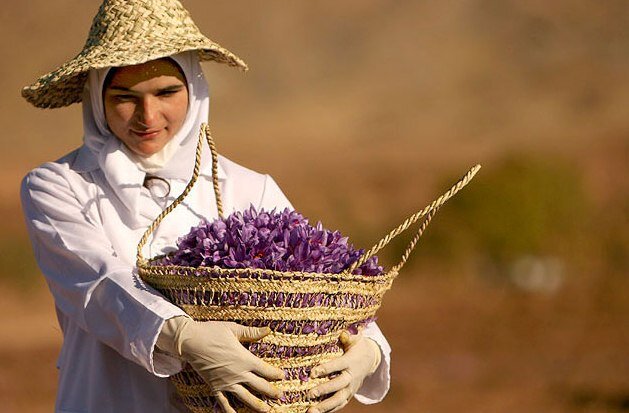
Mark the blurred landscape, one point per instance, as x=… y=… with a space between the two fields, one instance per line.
x=517 y=297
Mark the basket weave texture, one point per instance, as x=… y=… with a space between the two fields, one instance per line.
x=306 y=311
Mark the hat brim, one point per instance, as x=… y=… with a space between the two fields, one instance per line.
x=64 y=86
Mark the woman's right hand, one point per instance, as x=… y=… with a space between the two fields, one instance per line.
x=213 y=349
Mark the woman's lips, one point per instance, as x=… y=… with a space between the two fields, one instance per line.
x=148 y=134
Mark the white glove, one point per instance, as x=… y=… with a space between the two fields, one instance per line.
x=213 y=349
x=361 y=359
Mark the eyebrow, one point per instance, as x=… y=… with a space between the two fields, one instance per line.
x=172 y=88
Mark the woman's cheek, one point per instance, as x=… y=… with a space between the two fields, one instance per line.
x=180 y=111
x=118 y=116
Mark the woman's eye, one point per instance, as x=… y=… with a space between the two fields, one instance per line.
x=123 y=98
x=167 y=93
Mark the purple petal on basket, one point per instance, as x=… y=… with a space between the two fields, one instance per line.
x=303 y=375
x=290 y=327
x=256 y=263
x=263 y=300
x=279 y=300
x=280 y=351
x=321 y=329
x=282 y=241
x=232 y=298
x=353 y=328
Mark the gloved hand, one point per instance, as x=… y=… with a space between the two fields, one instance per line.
x=361 y=359
x=213 y=349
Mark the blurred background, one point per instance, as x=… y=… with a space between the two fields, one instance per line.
x=517 y=297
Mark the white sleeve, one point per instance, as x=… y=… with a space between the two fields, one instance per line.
x=376 y=386
x=89 y=283
x=273 y=197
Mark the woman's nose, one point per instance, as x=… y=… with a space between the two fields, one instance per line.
x=147 y=111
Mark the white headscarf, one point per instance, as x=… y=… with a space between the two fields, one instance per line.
x=124 y=170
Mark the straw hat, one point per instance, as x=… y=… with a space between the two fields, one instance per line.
x=123 y=33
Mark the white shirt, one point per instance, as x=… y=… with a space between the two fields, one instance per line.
x=110 y=319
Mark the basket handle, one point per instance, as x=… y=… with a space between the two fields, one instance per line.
x=204 y=131
x=428 y=212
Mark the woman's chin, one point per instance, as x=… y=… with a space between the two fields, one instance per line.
x=145 y=151
x=148 y=153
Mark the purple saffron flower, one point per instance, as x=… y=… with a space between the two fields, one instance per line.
x=282 y=241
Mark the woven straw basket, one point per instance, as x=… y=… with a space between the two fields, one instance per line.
x=343 y=300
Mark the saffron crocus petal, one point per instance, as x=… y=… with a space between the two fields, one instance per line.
x=276 y=240
x=304 y=376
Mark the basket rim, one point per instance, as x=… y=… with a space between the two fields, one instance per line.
x=197 y=272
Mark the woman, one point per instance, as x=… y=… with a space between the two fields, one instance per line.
x=144 y=98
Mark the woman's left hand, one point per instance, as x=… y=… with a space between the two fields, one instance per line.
x=361 y=359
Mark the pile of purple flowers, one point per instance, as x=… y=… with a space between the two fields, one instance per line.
x=282 y=241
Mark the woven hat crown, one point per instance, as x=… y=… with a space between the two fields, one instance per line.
x=123 y=33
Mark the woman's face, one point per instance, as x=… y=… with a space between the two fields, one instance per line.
x=146 y=104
